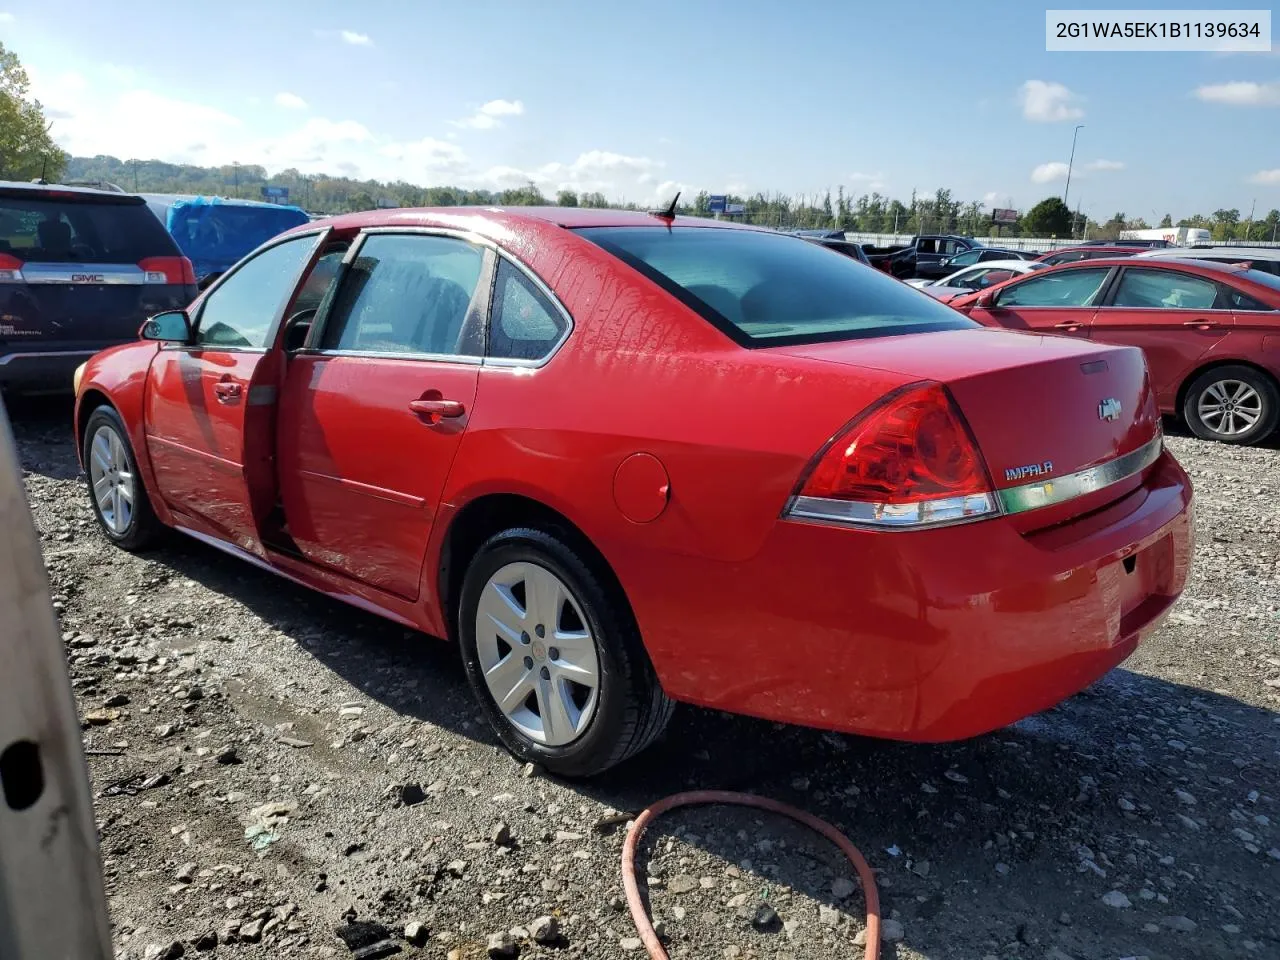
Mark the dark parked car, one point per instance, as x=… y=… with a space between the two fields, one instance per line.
x=922 y=253
x=80 y=270
x=1089 y=251
x=936 y=269
x=836 y=240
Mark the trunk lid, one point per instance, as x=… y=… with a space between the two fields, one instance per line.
x=1040 y=408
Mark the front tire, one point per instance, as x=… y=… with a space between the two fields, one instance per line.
x=116 y=492
x=1232 y=404
x=554 y=656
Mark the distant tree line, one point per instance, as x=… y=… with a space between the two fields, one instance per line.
x=868 y=213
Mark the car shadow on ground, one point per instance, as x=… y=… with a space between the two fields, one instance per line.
x=994 y=820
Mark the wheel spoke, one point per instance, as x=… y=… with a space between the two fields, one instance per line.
x=115 y=509
x=557 y=725
x=102 y=489
x=1215 y=390
x=510 y=681
x=545 y=596
x=102 y=451
x=498 y=610
x=126 y=493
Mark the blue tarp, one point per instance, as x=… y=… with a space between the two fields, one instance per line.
x=215 y=233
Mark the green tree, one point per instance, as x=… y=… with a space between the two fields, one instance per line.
x=27 y=150
x=1048 y=218
x=566 y=198
x=1271 y=225
x=1225 y=223
x=1167 y=221
x=594 y=199
x=362 y=201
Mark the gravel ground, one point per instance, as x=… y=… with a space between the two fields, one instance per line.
x=273 y=770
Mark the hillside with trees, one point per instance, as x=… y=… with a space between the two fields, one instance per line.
x=871 y=213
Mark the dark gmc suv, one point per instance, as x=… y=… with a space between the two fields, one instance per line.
x=80 y=270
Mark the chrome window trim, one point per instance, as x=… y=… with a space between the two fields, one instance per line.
x=391 y=355
x=1006 y=502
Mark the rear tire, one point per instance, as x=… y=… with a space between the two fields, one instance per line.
x=579 y=710
x=1232 y=404
x=116 y=491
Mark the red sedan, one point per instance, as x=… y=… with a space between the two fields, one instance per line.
x=1211 y=331
x=626 y=460
x=1072 y=254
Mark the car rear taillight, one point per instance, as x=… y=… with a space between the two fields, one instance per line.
x=173 y=270
x=10 y=269
x=908 y=462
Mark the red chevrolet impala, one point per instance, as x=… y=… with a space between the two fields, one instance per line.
x=1210 y=331
x=626 y=460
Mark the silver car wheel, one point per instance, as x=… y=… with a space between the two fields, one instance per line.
x=1230 y=407
x=537 y=653
x=112 y=479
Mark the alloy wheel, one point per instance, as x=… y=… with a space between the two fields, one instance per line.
x=537 y=653
x=112 y=479
x=1230 y=407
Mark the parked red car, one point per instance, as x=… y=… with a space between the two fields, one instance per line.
x=1072 y=254
x=626 y=459
x=1211 y=331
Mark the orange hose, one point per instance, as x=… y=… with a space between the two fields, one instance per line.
x=698 y=797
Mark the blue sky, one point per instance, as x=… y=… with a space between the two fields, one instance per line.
x=641 y=99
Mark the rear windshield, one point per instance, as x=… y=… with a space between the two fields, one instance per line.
x=768 y=289
x=76 y=231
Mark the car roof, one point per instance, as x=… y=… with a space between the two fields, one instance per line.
x=36 y=189
x=984 y=264
x=1187 y=264
x=1192 y=253
x=491 y=218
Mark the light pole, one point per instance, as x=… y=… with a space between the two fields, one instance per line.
x=1071 y=162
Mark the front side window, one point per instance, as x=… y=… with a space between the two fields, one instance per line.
x=1070 y=288
x=766 y=289
x=405 y=293
x=966 y=259
x=1069 y=257
x=523 y=324
x=1164 y=289
x=243 y=309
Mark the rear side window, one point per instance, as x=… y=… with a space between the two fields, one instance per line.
x=1164 y=289
x=524 y=324
x=53 y=230
x=405 y=294
x=1071 y=257
x=1070 y=288
x=765 y=289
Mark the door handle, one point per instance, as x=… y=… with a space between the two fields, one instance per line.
x=1069 y=325
x=226 y=391
x=1201 y=324
x=433 y=411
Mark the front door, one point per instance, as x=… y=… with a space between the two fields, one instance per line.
x=1061 y=302
x=376 y=402
x=1175 y=317
x=210 y=405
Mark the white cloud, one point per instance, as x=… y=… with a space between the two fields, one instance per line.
x=486 y=118
x=1104 y=165
x=1049 y=172
x=1241 y=93
x=7 y=17
x=1270 y=178
x=1048 y=102
x=290 y=101
x=992 y=198
x=356 y=39
x=863 y=177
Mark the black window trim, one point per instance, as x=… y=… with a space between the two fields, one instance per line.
x=1113 y=288
x=728 y=327
x=318 y=234
x=547 y=292
x=1101 y=295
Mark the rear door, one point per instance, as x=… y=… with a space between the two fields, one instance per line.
x=1061 y=302
x=80 y=270
x=376 y=402
x=210 y=408
x=1174 y=316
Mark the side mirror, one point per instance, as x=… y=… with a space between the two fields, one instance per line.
x=171 y=327
x=986 y=300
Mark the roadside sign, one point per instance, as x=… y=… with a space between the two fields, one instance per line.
x=716 y=203
x=275 y=193
x=1002 y=215
x=735 y=209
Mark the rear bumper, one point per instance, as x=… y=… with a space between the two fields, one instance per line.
x=930 y=635
x=50 y=368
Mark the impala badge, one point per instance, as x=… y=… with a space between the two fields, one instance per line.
x=1109 y=409
x=1029 y=470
